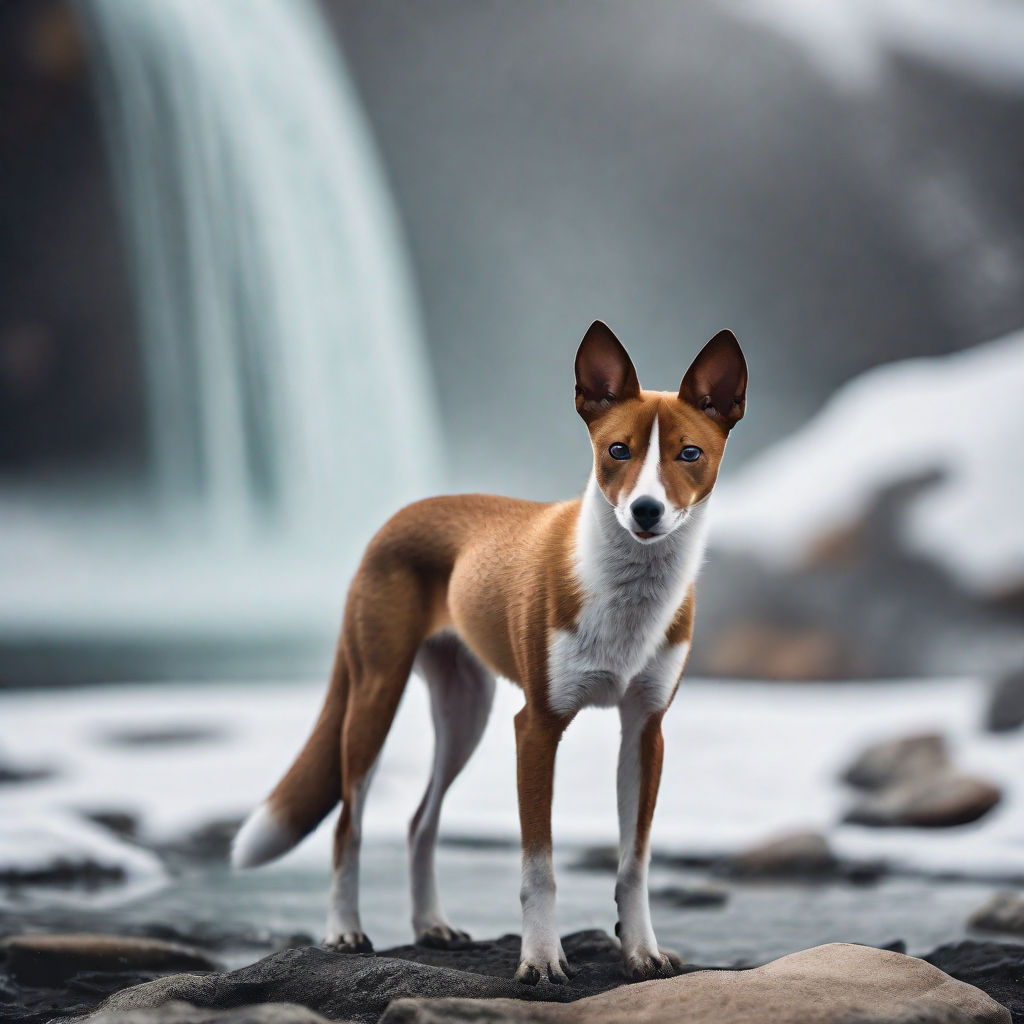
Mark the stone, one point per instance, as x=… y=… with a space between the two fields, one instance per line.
x=888 y=762
x=1004 y=912
x=184 y=1013
x=833 y=984
x=685 y=897
x=49 y=959
x=792 y=854
x=995 y=967
x=752 y=649
x=939 y=801
x=1006 y=705
x=159 y=735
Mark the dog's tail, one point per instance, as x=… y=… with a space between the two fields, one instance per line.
x=308 y=791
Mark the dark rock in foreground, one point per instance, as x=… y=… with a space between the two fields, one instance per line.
x=411 y=985
x=995 y=967
x=415 y=985
x=184 y=1013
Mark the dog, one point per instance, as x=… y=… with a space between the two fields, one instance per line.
x=581 y=603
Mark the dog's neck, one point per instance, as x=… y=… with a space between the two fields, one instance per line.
x=608 y=557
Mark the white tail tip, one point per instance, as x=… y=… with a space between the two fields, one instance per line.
x=260 y=839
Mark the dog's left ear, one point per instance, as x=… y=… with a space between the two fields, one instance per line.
x=716 y=382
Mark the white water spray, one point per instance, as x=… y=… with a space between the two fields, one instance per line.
x=286 y=377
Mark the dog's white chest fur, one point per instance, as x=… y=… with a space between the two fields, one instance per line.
x=632 y=593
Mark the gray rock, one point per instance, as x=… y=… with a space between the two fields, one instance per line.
x=888 y=762
x=793 y=854
x=685 y=897
x=185 y=1013
x=1004 y=912
x=1006 y=705
x=50 y=959
x=831 y=984
x=939 y=801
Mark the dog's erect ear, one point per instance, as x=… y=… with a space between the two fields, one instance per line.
x=604 y=372
x=716 y=382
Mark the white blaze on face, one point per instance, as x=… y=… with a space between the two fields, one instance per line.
x=648 y=482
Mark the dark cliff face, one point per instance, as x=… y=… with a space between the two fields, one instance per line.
x=69 y=376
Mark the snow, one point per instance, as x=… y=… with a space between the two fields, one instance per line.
x=961 y=415
x=743 y=760
x=32 y=840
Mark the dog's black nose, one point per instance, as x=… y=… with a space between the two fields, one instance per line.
x=646 y=512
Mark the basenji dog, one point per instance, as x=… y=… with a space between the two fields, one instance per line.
x=583 y=602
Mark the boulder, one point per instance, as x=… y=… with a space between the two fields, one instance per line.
x=1006 y=705
x=833 y=984
x=888 y=762
x=1004 y=912
x=798 y=854
x=50 y=959
x=949 y=798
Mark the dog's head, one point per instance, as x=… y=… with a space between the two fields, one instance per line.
x=657 y=453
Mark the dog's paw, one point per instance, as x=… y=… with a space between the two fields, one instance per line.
x=349 y=942
x=443 y=936
x=644 y=965
x=534 y=969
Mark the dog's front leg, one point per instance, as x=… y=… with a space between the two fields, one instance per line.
x=640 y=757
x=541 y=955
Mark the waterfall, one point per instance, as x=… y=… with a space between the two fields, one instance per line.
x=287 y=384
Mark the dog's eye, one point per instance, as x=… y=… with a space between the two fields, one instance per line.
x=619 y=451
x=690 y=453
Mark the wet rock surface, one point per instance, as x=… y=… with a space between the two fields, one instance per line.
x=308 y=984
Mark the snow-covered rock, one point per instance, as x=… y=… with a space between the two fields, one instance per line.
x=960 y=415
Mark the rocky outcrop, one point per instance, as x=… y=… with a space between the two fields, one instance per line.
x=411 y=985
x=832 y=984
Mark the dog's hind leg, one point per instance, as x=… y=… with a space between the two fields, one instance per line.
x=378 y=678
x=461 y=694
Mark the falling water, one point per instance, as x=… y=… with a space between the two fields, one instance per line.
x=286 y=378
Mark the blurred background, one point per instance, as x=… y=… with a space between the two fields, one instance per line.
x=270 y=271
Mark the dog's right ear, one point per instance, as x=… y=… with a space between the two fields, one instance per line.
x=604 y=373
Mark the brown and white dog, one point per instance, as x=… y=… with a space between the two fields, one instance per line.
x=584 y=602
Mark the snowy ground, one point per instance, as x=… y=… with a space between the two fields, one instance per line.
x=742 y=761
